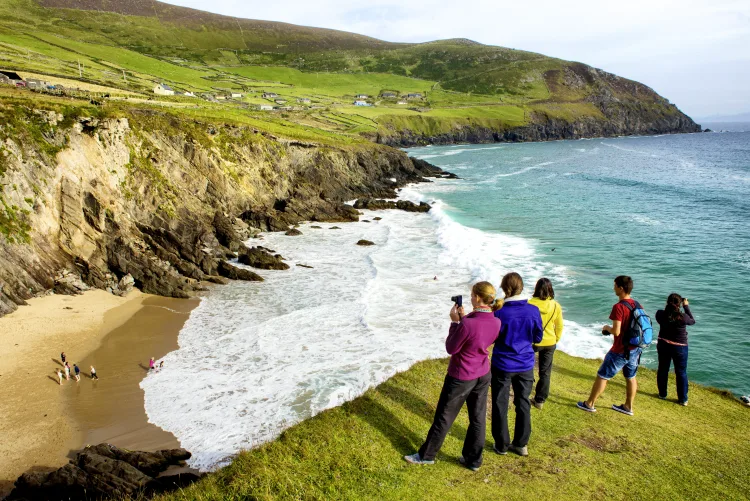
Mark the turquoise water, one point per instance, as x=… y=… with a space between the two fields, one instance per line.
x=673 y=212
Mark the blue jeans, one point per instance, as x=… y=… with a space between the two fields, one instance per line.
x=669 y=353
x=614 y=362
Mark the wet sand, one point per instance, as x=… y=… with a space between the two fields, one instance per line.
x=44 y=423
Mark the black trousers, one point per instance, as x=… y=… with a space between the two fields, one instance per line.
x=522 y=383
x=546 y=353
x=455 y=392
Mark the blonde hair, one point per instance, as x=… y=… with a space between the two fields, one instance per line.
x=485 y=291
x=512 y=285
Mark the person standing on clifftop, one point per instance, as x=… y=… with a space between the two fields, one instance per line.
x=552 y=318
x=616 y=359
x=673 y=346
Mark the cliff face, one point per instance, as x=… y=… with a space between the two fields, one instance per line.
x=161 y=199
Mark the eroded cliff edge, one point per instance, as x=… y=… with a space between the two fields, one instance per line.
x=161 y=199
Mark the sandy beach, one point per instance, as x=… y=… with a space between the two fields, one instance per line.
x=44 y=422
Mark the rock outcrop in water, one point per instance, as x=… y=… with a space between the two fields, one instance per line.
x=105 y=471
x=162 y=203
x=405 y=205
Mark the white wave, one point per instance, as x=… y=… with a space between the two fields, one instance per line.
x=585 y=341
x=453 y=152
x=526 y=169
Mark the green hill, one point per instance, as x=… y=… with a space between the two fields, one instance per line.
x=449 y=90
x=355 y=451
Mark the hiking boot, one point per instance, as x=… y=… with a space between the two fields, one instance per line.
x=416 y=459
x=521 y=451
x=462 y=460
x=498 y=451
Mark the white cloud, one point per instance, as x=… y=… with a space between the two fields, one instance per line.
x=693 y=52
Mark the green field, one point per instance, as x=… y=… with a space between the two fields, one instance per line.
x=355 y=451
x=462 y=83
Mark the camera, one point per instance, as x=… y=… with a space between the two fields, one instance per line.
x=458 y=300
x=605 y=333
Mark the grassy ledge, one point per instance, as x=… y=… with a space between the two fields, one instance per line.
x=354 y=451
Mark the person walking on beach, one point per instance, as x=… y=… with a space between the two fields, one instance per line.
x=62 y=357
x=617 y=359
x=59 y=376
x=93 y=373
x=76 y=372
x=673 y=346
x=467 y=381
x=161 y=365
x=67 y=371
x=151 y=364
x=513 y=365
x=552 y=320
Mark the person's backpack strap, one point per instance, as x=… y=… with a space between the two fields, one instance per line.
x=550 y=318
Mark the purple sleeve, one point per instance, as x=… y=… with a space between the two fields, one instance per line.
x=456 y=338
x=538 y=327
x=688 y=316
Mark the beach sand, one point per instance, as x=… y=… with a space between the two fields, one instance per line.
x=43 y=422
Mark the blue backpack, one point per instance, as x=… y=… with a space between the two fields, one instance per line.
x=640 y=333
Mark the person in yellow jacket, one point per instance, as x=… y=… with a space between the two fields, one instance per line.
x=552 y=320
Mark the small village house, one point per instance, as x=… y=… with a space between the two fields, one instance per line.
x=35 y=83
x=414 y=95
x=270 y=95
x=265 y=107
x=189 y=94
x=163 y=89
x=280 y=101
x=13 y=77
x=362 y=96
x=221 y=97
x=303 y=100
x=388 y=94
x=236 y=95
x=402 y=102
x=360 y=102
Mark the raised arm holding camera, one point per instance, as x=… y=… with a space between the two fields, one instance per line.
x=468 y=378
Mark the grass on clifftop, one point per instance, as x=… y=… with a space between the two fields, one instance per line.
x=355 y=451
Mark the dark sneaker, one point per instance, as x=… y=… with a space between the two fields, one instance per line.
x=538 y=405
x=621 y=408
x=662 y=398
x=498 y=451
x=415 y=459
x=584 y=407
x=521 y=451
x=462 y=460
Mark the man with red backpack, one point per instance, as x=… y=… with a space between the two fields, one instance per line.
x=631 y=328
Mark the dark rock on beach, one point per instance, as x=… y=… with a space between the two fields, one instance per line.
x=260 y=258
x=234 y=273
x=105 y=471
x=405 y=205
x=293 y=232
x=365 y=243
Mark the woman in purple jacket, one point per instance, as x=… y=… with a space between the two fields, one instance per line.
x=513 y=365
x=467 y=381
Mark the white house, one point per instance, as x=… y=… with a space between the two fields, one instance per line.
x=236 y=95
x=362 y=96
x=189 y=94
x=402 y=102
x=163 y=90
x=265 y=107
x=270 y=95
x=361 y=103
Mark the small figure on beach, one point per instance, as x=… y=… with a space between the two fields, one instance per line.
x=151 y=364
x=62 y=357
x=161 y=365
x=67 y=371
x=59 y=376
x=93 y=373
x=435 y=277
x=76 y=372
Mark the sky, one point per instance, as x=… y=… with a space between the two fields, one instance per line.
x=694 y=53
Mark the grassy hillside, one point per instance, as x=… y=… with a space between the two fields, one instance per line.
x=130 y=45
x=355 y=451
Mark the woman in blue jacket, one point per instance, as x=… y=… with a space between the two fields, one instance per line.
x=513 y=365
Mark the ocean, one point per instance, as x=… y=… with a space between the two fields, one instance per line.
x=673 y=212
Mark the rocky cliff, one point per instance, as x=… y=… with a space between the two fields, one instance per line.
x=161 y=200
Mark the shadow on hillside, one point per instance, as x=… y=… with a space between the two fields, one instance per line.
x=574 y=374
x=404 y=440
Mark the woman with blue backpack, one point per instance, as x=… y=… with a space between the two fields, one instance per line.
x=673 y=345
